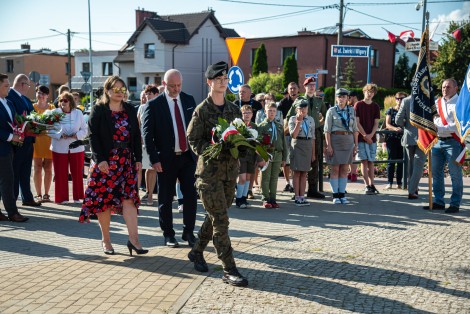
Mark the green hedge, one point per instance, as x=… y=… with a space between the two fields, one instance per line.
x=379 y=98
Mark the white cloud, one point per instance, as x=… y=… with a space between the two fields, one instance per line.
x=456 y=15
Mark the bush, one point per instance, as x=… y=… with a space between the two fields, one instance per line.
x=266 y=82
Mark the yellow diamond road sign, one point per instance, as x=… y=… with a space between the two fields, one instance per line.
x=235 y=46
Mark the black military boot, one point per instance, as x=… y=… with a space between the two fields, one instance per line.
x=234 y=278
x=199 y=262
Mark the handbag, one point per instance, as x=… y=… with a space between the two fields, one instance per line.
x=381 y=137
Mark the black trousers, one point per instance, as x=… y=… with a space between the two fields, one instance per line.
x=6 y=184
x=22 y=164
x=395 y=151
x=183 y=168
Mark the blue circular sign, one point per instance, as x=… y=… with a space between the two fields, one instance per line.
x=235 y=79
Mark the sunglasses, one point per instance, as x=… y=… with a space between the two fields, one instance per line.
x=399 y=98
x=64 y=100
x=122 y=90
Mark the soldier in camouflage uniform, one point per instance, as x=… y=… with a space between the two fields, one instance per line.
x=215 y=178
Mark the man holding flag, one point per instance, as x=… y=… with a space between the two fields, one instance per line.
x=448 y=149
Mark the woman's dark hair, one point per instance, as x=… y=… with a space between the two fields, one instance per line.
x=108 y=85
x=69 y=97
x=43 y=89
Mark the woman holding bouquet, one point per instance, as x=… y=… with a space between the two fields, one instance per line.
x=116 y=148
x=72 y=128
x=42 y=156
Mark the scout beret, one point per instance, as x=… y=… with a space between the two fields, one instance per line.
x=216 y=69
x=341 y=92
x=309 y=80
x=300 y=102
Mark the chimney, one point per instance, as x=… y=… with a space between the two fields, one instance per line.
x=26 y=46
x=141 y=15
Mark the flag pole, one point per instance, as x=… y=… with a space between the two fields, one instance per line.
x=430 y=180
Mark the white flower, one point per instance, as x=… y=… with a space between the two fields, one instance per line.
x=48 y=112
x=254 y=133
x=237 y=122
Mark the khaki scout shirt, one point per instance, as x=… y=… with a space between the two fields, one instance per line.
x=199 y=131
x=279 y=143
x=315 y=107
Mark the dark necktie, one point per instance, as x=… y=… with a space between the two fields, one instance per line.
x=180 y=127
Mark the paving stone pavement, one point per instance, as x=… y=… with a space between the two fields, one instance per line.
x=379 y=254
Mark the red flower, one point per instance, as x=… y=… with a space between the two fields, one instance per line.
x=266 y=139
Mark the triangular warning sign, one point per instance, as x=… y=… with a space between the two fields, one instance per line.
x=235 y=46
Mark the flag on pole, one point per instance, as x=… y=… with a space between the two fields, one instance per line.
x=462 y=108
x=391 y=36
x=406 y=35
x=422 y=106
x=457 y=34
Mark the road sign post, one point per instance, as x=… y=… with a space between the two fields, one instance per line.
x=235 y=46
x=353 y=52
x=235 y=79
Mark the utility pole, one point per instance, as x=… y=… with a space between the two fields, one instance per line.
x=340 y=41
x=69 y=57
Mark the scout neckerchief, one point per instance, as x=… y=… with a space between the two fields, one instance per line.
x=461 y=158
x=344 y=115
x=305 y=127
x=273 y=133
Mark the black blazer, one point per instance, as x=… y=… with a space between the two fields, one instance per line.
x=22 y=106
x=157 y=125
x=5 y=128
x=101 y=130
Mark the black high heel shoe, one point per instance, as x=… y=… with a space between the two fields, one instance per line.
x=131 y=247
x=106 y=251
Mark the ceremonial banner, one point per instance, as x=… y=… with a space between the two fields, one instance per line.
x=422 y=105
x=462 y=108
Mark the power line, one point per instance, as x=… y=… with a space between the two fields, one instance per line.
x=28 y=39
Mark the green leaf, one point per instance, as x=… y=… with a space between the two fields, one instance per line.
x=234 y=152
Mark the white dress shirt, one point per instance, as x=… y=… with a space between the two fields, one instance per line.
x=448 y=108
x=171 y=106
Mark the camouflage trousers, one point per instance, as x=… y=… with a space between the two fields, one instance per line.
x=217 y=197
x=313 y=174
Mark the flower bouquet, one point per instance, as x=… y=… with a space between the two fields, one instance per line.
x=19 y=127
x=233 y=136
x=40 y=123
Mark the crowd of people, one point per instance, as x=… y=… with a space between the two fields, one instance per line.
x=168 y=134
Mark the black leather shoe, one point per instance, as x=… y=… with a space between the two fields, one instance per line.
x=199 y=262
x=315 y=194
x=3 y=217
x=18 y=218
x=32 y=204
x=171 y=242
x=413 y=196
x=234 y=278
x=434 y=206
x=189 y=236
x=452 y=210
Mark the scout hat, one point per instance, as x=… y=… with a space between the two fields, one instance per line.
x=216 y=69
x=341 y=92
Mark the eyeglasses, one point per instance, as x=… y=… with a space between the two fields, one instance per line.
x=399 y=98
x=221 y=79
x=24 y=83
x=122 y=90
x=64 y=100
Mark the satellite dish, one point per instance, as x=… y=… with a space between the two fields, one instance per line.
x=34 y=76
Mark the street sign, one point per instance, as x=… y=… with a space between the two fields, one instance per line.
x=235 y=46
x=86 y=75
x=235 y=79
x=34 y=76
x=86 y=88
x=349 y=51
x=322 y=71
x=314 y=75
x=45 y=79
x=415 y=46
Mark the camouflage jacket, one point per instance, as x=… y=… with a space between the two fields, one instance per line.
x=205 y=117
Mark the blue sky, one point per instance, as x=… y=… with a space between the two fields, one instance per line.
x=113 y=22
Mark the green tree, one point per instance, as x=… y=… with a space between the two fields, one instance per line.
x=453 y=57
x=260 y=63
x=350 y=75
x=402 y=72
x=410 y=76
x=266 y=82
x=290 y=73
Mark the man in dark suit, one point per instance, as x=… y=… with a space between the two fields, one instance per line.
x=23 y=160
x=7 y=113
x=164 y=130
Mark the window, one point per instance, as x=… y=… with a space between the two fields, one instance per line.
x=66 y=68
x=149 y=51
x=132 y=84
x=287 y=51
x=10 y=66
x=107 y=68
x=86 y=67
x=157 y=80
x=252 y=56
x=374 y=58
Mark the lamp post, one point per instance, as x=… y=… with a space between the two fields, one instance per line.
x=69 y=56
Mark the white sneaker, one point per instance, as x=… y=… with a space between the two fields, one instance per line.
x=344 y=200
x=388 y=186
x=336 y=201
x=180 y=208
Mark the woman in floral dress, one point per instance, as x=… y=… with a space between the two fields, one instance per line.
x=117 y=154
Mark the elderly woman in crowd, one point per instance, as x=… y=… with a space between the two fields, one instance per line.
x=73 y=127
x=117 y=154
x=341 y=143
x=42 y=156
